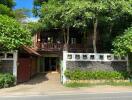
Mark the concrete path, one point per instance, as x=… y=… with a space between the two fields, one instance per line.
x=49 y=84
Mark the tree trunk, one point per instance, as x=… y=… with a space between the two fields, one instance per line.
x=64 y=34
x=95 y=24
x=111 y=26
x=66 y=39
x=67 y=35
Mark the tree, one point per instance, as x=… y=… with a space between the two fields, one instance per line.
x=53 y=16
x=66 y=14
x=5 y=10
x=13 y=34
x=9 y=3
x=71 y=13
x=21 y=14
x=34 y=27
x=123 y=44
x=6 y=7
x=109 y=11
x=36 y=6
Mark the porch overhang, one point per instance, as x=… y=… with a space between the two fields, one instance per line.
x=31 y=51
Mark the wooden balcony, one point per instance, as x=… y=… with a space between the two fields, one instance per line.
x=50 y=46
x=59 y=47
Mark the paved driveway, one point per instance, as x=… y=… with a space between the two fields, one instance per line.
x=48 y=84
x=42 y=83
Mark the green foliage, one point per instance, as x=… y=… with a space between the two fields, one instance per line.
x=111 y=83
x=5 y=10
x=34 y=27
x=78 y=13
x=6 y=7
x=8 y=3
x=36 y=6
x=6 y=80
x=96 y=75
x=76 y=84
x=82 y=13
x=20 y=14
x=13 y=34
x=123 y=44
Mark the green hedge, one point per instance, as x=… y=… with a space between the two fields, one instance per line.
x=6 y=80
x=96 y=75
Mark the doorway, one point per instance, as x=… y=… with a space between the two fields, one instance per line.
x=51 y=64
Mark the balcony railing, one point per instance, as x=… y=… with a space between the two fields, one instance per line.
x=59 y=47
x=50 y=46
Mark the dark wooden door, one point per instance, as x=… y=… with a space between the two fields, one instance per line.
x=24 y=70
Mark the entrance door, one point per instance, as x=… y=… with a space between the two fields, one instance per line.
x=51 y=64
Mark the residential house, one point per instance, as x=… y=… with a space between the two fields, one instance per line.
x=50 y=45
x=48 y=55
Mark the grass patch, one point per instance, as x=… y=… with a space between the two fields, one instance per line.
x=119 y=83
x=76 y=84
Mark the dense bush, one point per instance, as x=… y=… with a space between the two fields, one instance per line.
x=96 y=75
x=6 y=80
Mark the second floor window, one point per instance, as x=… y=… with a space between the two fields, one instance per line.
x=73 y=40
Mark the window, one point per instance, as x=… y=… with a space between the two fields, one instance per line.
x=73 y=40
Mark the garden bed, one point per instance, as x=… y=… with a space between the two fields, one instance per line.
x=6 y=80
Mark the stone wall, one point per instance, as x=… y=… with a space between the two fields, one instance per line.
x=96 y=65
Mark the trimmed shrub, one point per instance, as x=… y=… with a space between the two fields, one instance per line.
x=6 y=80
x=96 y=75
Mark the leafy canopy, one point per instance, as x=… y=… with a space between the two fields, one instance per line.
x=123 y=43
x=78 y=13
x=36 y=6
x=8 y=3
x=13 y=34
x=6 y=7
x=4 y=10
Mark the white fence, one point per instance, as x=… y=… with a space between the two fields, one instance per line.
x=93 y=57
x=10 y=56
x=102 y=57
